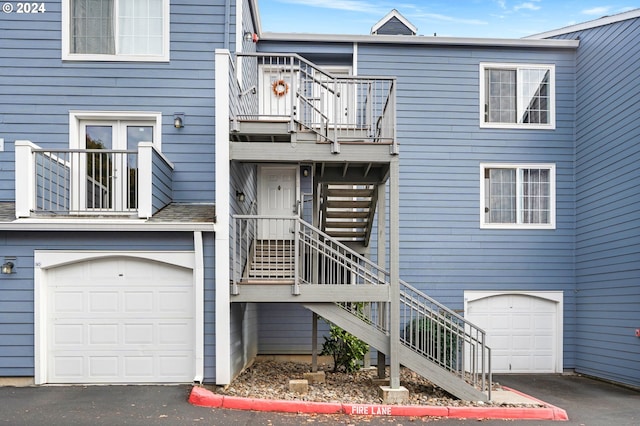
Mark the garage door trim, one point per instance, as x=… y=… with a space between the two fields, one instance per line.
x=554 y=296
x=46 y=259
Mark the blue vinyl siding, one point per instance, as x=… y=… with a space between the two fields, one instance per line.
x=443 y=251
x=162 y=181
x=285 y=329
x=38 y=89
x=17 y=291
x=608 y=202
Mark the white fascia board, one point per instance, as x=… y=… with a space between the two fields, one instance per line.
x=255 y=13
x=103 y=225
x=605 y=20
x=422 y=40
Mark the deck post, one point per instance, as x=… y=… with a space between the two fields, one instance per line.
x=314 y=343
x=394 y=272
x=382 y=259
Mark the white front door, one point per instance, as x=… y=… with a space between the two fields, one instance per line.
x=120 y=320
x=277 y=197
x=109 y=181
x=276 y=93
x=523 y=330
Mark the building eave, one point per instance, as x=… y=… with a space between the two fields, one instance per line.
x=68 y=225
x=420 y=40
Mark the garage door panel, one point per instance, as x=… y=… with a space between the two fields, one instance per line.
x=521 y=331
x=119 y=330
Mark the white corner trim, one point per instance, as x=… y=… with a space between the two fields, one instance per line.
x=44 y=260
x=198 y=278
x=222 y=238
x=554 y=296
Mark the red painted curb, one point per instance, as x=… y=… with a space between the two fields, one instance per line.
x=205 y=398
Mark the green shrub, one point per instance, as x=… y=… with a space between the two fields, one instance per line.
x=346 y=349
x=433 y=339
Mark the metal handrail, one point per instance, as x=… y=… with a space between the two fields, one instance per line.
x=354 y=106
x=430 y=329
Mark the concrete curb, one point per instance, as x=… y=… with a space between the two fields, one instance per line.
x=205 y=398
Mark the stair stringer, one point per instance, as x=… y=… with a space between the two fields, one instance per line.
x=410 y=359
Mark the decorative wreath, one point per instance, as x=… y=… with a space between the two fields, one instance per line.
x=280 y=88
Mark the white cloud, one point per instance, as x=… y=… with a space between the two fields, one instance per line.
x=527 y=5
x=350 y=5
x=602 y=10
x=446 y=18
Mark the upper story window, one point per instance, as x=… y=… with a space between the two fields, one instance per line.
x=517 y=196
x=517 y=96
x=115 y=30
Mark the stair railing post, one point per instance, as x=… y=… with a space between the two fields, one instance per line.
x=235 y=241
x=296 y=255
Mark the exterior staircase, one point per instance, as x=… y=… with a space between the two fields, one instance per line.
x=347 y=289
x=347 y=211
x=272 y=262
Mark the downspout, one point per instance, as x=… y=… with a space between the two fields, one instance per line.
x=227 y=24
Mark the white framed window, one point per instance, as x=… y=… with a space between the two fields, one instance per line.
x=115 y=30
x=518 y=196
x=517 y=96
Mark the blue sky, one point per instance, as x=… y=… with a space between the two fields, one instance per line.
x=455 y=18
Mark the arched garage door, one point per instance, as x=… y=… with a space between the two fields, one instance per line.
x=524 y=330
x=119 y=320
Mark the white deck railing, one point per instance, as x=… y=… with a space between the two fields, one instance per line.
x=84 y=181
x=338 y=108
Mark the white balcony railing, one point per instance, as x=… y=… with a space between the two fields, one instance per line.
x=338 y=108
x=88 y=181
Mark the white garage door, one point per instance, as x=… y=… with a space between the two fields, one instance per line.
x=521 y=331
x=120 y=320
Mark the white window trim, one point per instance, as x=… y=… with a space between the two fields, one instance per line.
x=75 y=117
x=66 y=41
x=552 y=196
x=515 y=66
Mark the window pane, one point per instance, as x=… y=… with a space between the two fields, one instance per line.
x=500 y=197
x=536 y=196
x=92 y=26
x=140 y=24
x=501 y=96
x=533 y=96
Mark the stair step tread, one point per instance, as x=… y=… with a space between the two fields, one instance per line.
x=261 y=281
x=333 y=192
x=344 y=204
x=347 y=215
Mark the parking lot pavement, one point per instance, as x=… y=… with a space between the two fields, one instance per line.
x=588 y=402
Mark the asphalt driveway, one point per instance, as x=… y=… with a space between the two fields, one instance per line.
x=588 y=402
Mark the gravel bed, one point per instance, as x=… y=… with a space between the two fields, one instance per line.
x=269 y=379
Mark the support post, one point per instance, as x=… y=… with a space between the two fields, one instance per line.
x=394 y=272
x=382 y=261
x=314 y=344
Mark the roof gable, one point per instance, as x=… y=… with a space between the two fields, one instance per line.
x=394 y=24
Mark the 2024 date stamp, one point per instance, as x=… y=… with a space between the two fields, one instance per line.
x=24 y=8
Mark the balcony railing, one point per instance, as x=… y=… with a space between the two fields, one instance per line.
x=91 y=181
x=338 y=108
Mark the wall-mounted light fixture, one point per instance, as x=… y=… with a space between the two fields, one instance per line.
x=249 y=36
x=7 y=267
x=306 y=170
x=178 y=120
x=240 y=196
